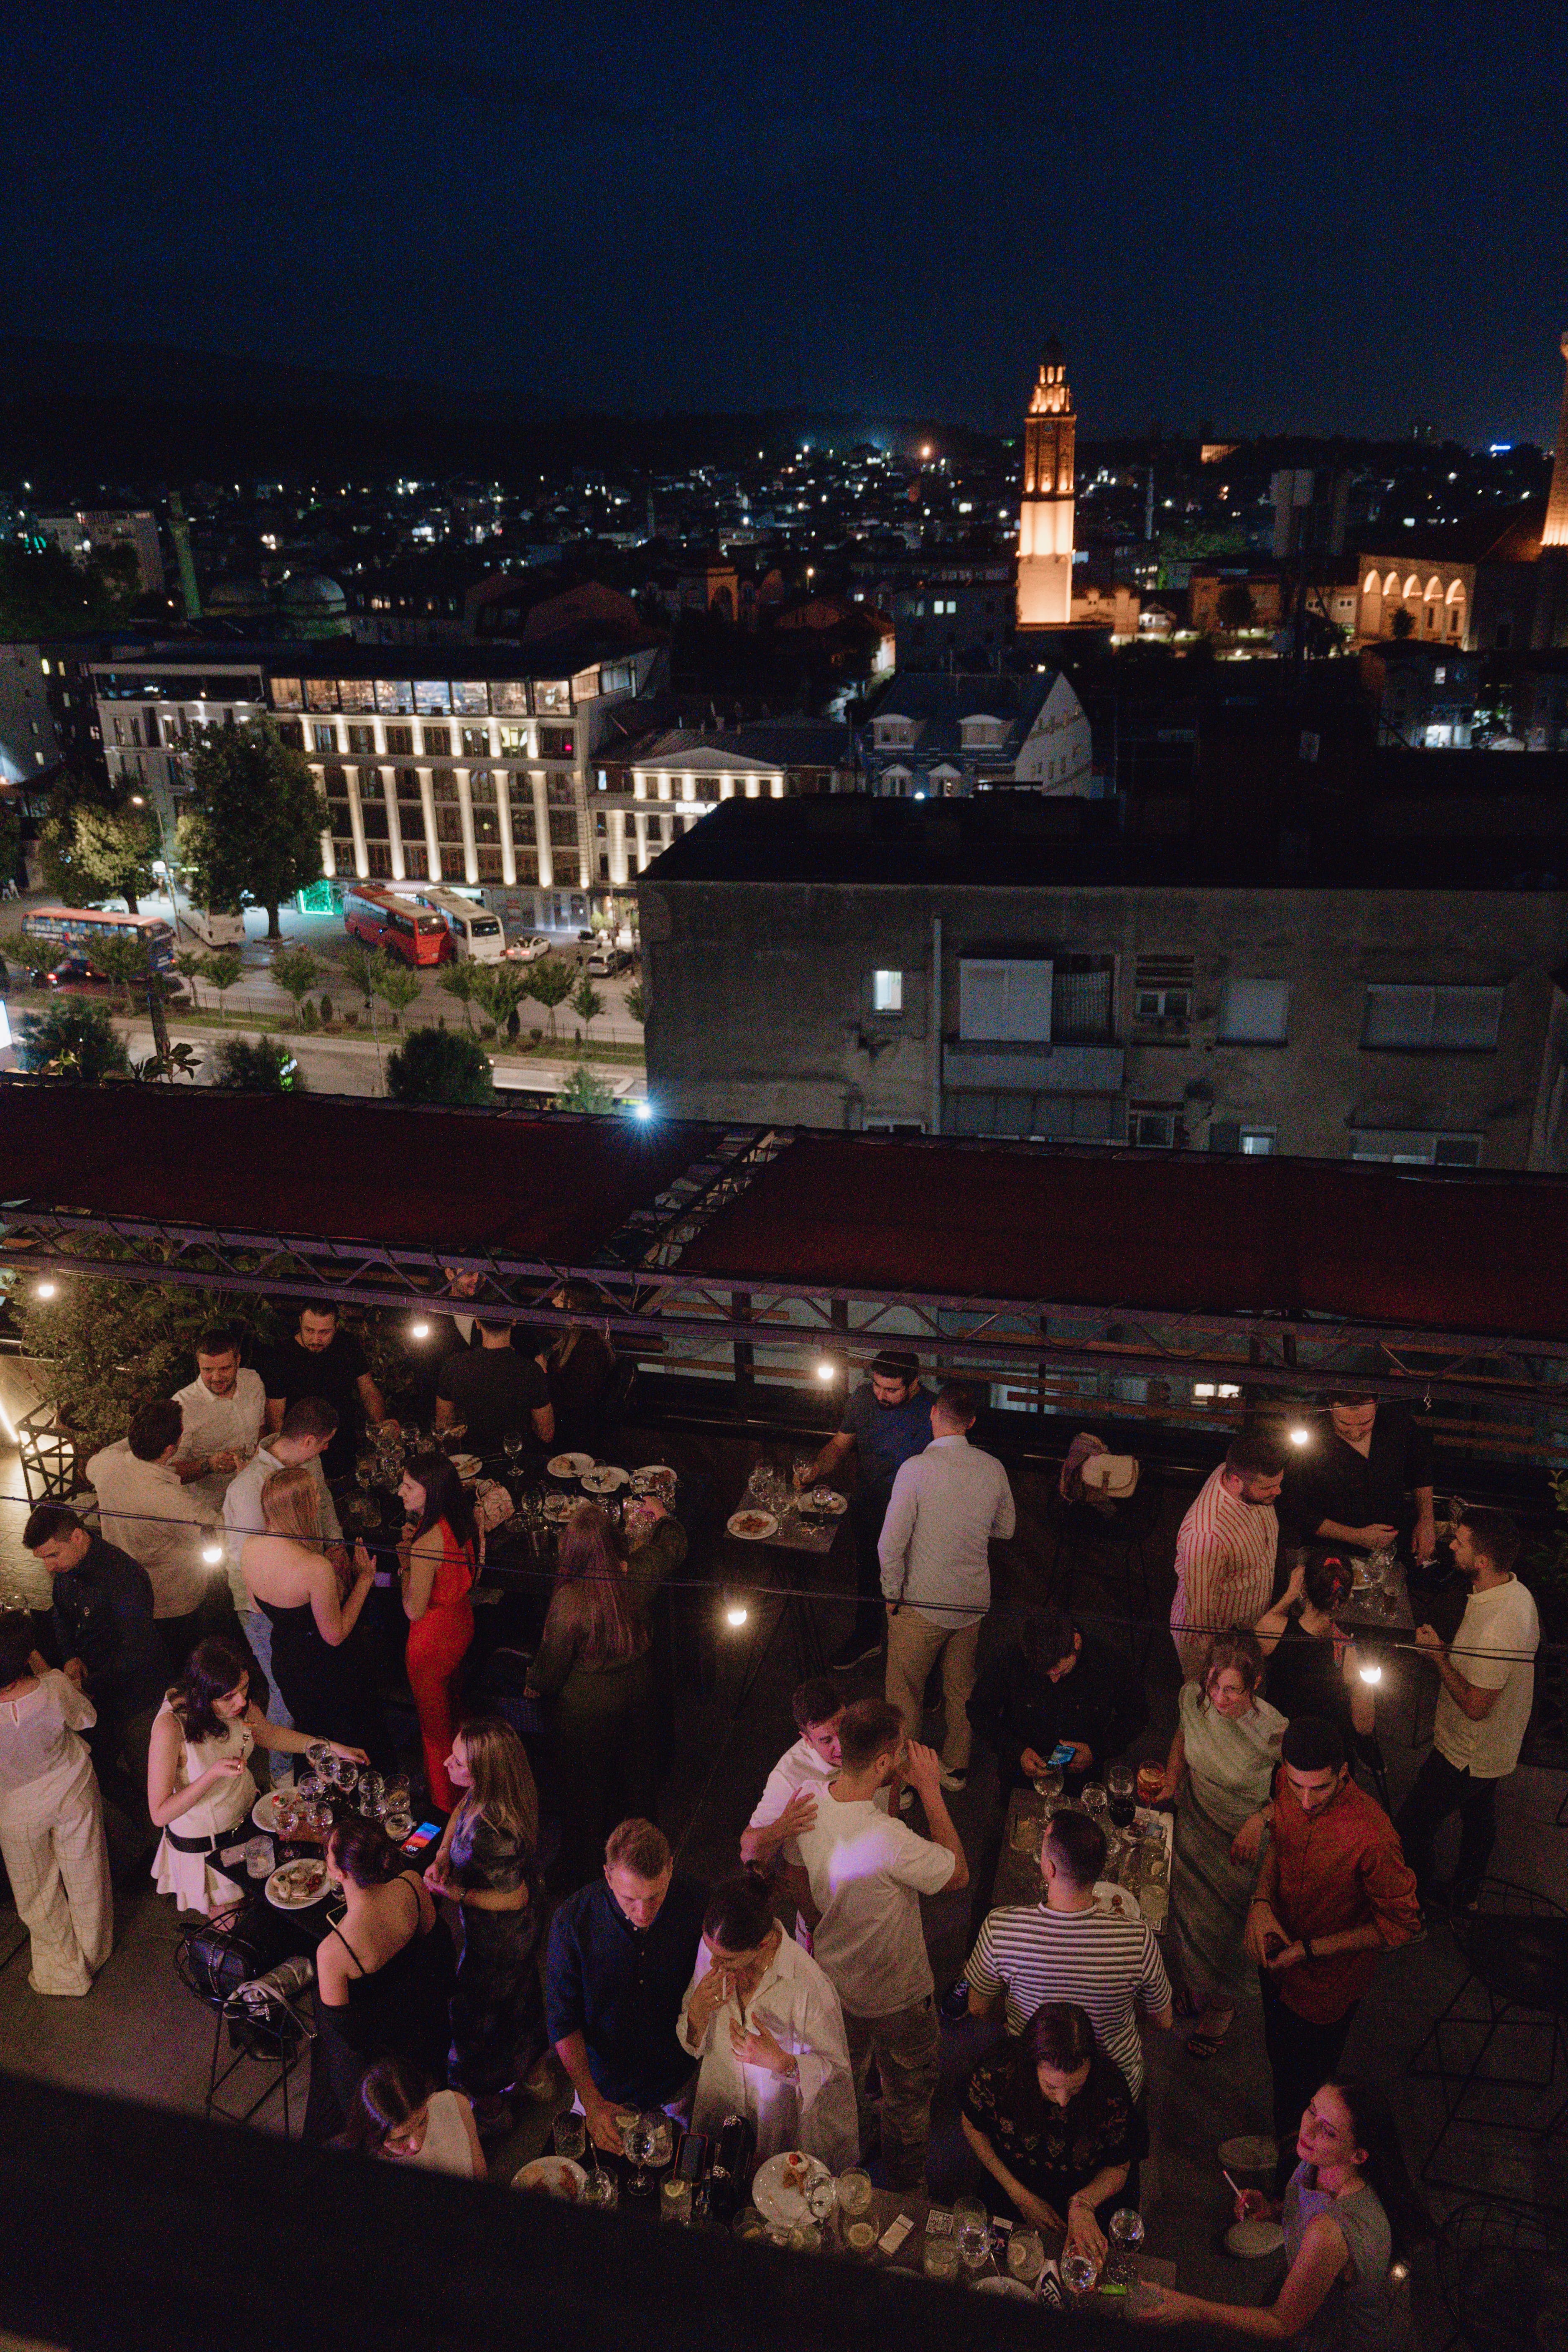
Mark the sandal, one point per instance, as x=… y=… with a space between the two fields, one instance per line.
x=1204 y=2045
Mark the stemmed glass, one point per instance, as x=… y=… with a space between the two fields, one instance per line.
x=511 y=1445
x=318 y=1757
x=1126 y=2236
x=647 y=2143
x=1049 y=1785
x=1120 y=1787
x=1096 y=1803
x=974 y=2226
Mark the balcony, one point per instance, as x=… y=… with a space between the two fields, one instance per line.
x=1038 y=1068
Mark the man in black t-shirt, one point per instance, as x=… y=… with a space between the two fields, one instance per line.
x=492 y=1390
x=321 y=1359
x=103 y=1630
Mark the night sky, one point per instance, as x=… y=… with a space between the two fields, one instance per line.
x=1320 y=216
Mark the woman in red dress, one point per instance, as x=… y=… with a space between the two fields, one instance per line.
x=438 y=1556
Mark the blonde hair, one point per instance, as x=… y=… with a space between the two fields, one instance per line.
x=291 y=1505
x=503 y=1790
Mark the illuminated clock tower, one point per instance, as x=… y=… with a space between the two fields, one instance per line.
x=1044 y=523
x=1556 y=533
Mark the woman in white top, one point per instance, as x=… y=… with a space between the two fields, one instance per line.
x=51 y=1817
x=397 y=2114
x=766 y=2024
x=199 y=1789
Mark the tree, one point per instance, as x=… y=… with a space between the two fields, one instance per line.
x=550 y=983
x=361 y=968
x=222 y=971
x=637 y=1003
x=586 y=1090
x=10 y=841
x=123 y=959
x=296 y=971
x=398 y=987
x=457 y=981
x=44 y=593
x=72 y=1039
x=1233 y=606
x=100 y=851
x=439 y=1065
x=498 y=988
x=261 y=1067
x=256 y=820
x=586 y=1001
x=189 y=965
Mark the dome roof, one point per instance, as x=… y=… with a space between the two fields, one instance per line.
x=314 y=588
x=234 y=593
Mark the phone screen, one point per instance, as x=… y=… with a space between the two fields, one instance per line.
x=1063 y=1752
x=422 y=1837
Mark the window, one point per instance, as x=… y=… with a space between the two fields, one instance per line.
x=444 y=785
x=1003 y=1001
x=1080 y=1000
x=394 y=694
x=324 y=739
x=483 y=787
x=438 y=742
x=1154 y=1127
x=475 y=742
x=510 y=695
x=1408 y=1148
x=1252 y=1012
x=408 y=783
x=886 y=991
x=557 y=743
x=378 y=861
x=472 y=700
x=400 y=739
x=356 y=694
x=490 y=860
x=1163 y=995
x=448 y=824
x=1438 y=1019
x=514 y=739
x=335 y=783
x=431 y=694
x=890 y=733
x=361 y=738
x=286 y=694
x=415 y=859
x=320 y=693
x=563 y=828
x=1258 y=1141
x=291 y=734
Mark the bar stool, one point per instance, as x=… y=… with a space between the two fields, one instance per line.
x=1503 y=2273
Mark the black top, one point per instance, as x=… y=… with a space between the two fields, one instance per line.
x=492 y=1391
x=1055 y=2150
x=1303 y=1677
x=1358 y=1491
x=1013 y=1706
x=103 y=1614
x=580 y=1384
x=621 y=1988
x=332 y=1372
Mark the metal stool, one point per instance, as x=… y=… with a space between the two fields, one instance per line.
x=1515 y=1949
x=215 y=1963
x=1503 y=2273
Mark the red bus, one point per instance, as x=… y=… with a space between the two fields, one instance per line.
x=74 y=931
x=384 y=920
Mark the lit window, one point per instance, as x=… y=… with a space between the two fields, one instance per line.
x=1452 y=1020
x=886 y=991
x=1258 y=1140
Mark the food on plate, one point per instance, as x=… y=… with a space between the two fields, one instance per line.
x=559 y=1506
x=553 y=2176
x=569 y=1465
x=753 y=1524
x=654 y=1479
x=604 y=1479
x=300 y=1882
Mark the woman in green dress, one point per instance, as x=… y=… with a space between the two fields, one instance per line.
x=1220 y=1774
x=594 y=1660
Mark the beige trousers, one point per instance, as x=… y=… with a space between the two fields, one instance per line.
x=914 y=1644
x=58 y=1863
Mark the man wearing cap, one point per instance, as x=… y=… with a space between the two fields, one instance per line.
x=1334 y=1892
x=887 y=1420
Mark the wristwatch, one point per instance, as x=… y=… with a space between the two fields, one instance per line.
x=1307 y=1951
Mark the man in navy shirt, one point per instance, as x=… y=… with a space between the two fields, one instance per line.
x=886 y=1421
x=621 y=1953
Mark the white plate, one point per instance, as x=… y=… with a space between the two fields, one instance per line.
x=559 y=1506
x=264 y=1813
x=466 y=1465
x=605 y=1479
x=1250 y=2239
x=779 y=2194
x=751 y=1526
x=828 y=1499
x=1115 y=1900
x=569 y=1465
x=654 y=1479
x=1012 y=2286
x=281 y=1902
x=553 y=2176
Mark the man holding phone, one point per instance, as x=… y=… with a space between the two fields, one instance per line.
x=1334 y=1892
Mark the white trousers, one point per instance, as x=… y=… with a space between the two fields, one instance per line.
x=57 y=1862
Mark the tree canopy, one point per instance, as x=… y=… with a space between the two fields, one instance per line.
x=71 y=1038
x=439 y=1065
x=44 y=593
x=255 y=822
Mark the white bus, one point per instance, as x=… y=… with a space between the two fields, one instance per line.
x=478 y=935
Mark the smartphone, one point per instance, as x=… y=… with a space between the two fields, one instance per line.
x=1273 y=1946
x=426 y=1834
x=692 y=2161
x=1062 y=1754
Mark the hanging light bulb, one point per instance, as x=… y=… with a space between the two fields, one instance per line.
x=47 y=1290
x=419 y=1331
x=736 y=1612
x=1300 y=1434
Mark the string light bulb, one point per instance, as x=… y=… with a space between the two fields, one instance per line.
x=736 y=1612
x=47 y=1290
x=211 y=1550
x=825 y=1369
x=1371 y=1672
x=1300 y=1434
x=420 y=1331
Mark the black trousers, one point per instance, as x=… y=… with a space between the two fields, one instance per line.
x=1442 y=1789
x=866 y=1515
x=1302 y=2057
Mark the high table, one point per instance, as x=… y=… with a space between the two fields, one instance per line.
x=801 y=1533
x=1018 y=1872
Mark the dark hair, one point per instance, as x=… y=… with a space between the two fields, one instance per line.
x=318 y=1306
x=219 y=1339
x=16 y=1644
x=1255 y=1454
x=446 y=1497
x=1351 y=1396
x=155 y=1428
x=815 y=1701
x=959 y=1400
x=215 y=1667
x=393 y=2091
x=1046 y=1638
x=361 y=1849
x=1061 y=2034
x=739 y=1915
x=1312 y=1744
x=591 y=1568
x=310 y=1417
x=487 y=1323
x=1237 y=1648
x=46 y=1521
x=1384 y=2171
x=870 y=1728
x=1077 y=1846
x=1329 y=1581
x=1493 y=1535
x=896 y=1364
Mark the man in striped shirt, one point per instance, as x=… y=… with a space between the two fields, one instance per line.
x=1064 y=1950
x=1226 y=1549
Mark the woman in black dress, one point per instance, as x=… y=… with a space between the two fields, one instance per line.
x=486 y=1866
x=1313 y=1668
x=383 y=1976
x=319 y=1661
x=1053 y=2122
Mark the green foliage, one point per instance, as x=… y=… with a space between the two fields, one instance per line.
x=500 y=987
x=296 y=971
x=326 y=1008
x=188 y=964
x=72 y=1039
x=96 y=850
x=550 y=983
x=637 y=1003
x=263 y=1067
x=123 y=959
x=439 y=1065
x=586 y=1090
x=586 y=1001
x=361 y=966
x=1234 y=606
x=256 y=820
x=45 y=593
x=457 y=981
x=1402 y=625
x=181 y=1061
x=398 y=987
x=222 y=970
x=309 y=1016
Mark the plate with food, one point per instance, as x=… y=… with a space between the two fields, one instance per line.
x=569 y=1465
x=1118 y=1902
x=751 y=1526
x=264 y=1813
x=560 y=1507
x=828 y=1500
x=1008 y=2287
x=657 y=1478
x=466 y=1465
x=604 y=1478
x=781 y=2190
x=553 y=2176
x=295 y=1885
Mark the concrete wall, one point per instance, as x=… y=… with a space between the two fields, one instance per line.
x=761 y=1001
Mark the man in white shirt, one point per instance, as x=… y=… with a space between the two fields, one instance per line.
x=788 y=1802
x=867 y=1871
x=221 y=1413
x=144 y=1508
x=1488 y=1674
x=309 y=1428
x=948 y=1504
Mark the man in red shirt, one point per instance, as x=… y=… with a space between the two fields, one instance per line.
x=1334 y=1892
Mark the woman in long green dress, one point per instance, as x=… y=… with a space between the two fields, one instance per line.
x=595 y=1662
x=1220 y=1772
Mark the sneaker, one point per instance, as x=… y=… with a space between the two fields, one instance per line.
x=956 y=1781
x=854 y=1653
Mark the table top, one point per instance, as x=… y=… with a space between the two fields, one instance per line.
x=1018 y=1871
x=887 y=2204
x=797 y=1530
x=1363 y=1611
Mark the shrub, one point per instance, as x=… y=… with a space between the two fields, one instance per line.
x=262 y=1068
x=309 y=1016
x=326 y=1009
x=70 y=1039
x=439 y=1065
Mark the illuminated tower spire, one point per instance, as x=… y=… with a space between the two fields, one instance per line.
x=1046 y=518
x=1555 y=534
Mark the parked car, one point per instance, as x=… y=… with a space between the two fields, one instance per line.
x=605 y=962
x=526 y=950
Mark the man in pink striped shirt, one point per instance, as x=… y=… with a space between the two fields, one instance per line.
x=1225 y=1551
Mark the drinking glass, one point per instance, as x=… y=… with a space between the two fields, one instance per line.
x=600 y=2189
x=1096 y=1803
x=397 y=1792
x=259 y=1857
x=1025 y=2256
x=372 y=1793
x=939 y=2258
x=319 y=1819
x=397 y=1824
x=318 y=1756
x=570 y=2136
x=1027 y=1828
x=313 y=1787
x=1120 y=1788
x=511 y=1446
x=639 y=2138
x=1126 y=2237
x=365 y=1473
x=855 y=2192
x=1080 y=2273
x=973 y=2224
x=1049 y=1785
x=675 y=2202
x=806 y=2237
x=822 y=2201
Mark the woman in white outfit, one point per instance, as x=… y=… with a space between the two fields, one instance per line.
x=51 y=1817
x=199 y=1787
x=766 y=2026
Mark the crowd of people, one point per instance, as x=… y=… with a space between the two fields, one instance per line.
x=798 y=1994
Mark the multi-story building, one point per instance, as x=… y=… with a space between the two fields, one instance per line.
x=942 y=735
x=1008 y=966
x=94 y=530
x=654 y=788
x=28 y=743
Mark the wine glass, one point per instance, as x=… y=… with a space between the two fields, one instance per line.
x=1080 y=2273
x=1096 y=1803
x=855 y=2192
x=1120 y=1788
x=1126 y=2237
x=639 y=2138
x=1049 y=1785
x=511 y=1446
x=822 y=2201
x=973 y=2224
x=570 y=2136
x=345 y=1773
x=319 y=1756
